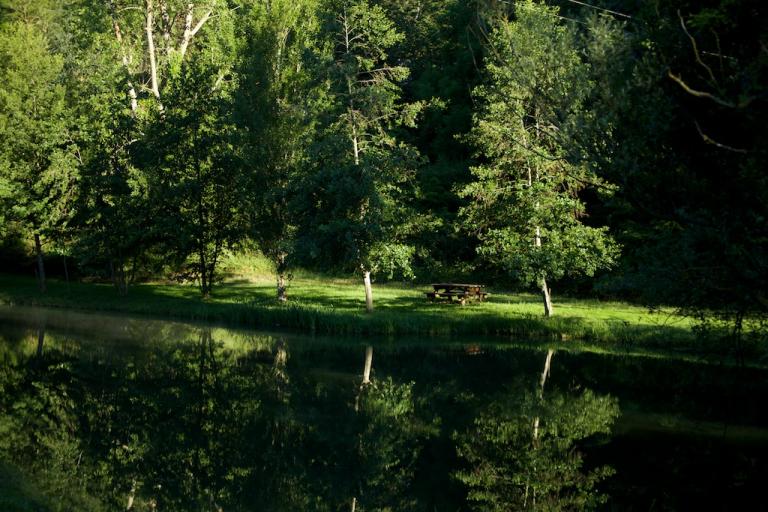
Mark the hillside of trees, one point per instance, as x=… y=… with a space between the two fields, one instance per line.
x=603 y=147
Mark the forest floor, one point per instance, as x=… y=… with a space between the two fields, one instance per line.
x=325 y=305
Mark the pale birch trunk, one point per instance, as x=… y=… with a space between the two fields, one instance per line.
x=542 y=382
x=545 y=292
x=40 y=264
x=368 y=364
x=189 y=31
x=154 y=84
x=368 y=291
x=537 y=419
x=546 y=297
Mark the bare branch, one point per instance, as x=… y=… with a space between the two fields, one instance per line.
x=696 y=50
x=703 y=94
x=709 y=140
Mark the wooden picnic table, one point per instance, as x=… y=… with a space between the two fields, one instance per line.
x=461 y=291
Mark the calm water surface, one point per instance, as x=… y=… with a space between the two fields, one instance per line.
x=113 y=413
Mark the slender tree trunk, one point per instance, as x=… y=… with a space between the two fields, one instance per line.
x=133 y=270
x=203 y=268
x=40 y=340
x=131 y=495
x=154 y=85
x=545 y=373
x=66 y=270
x=40 y=264
x=354 y=504
x=368 y=364
x=119 y=36
x=542 y=382
x=189 y=31
x=546 y=297
x=282 y=295
x=545 y=293
x=536 y=420
x=368 y=291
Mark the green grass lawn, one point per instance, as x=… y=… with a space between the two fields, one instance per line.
x=325 y=305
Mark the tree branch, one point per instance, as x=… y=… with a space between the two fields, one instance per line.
x=696 y=50
x=703 y=94
x=119 y=37
x=709 y=140
x=189 y=31
x=151 y=50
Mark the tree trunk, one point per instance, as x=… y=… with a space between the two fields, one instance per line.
x=154 y=85
x=545 y=372
x=542 y=381
x=131 y=495
x=368 y=291
x=40 y=264
x=66 y=270
x=366 y=375
x=368 y=364
x=545 y=292
x=126 y=62
x=282 y=295
x=547 y=297
x=204 y=278
x=40 y=340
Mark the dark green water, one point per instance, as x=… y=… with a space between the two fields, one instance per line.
x=108 y=412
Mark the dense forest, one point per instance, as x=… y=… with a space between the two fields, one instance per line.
x=599 y=147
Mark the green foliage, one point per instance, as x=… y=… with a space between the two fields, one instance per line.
x=355 y=200
x=277 y=113
x=525 y=204
x=196 y=177
x=523 y=452
x=39 y=171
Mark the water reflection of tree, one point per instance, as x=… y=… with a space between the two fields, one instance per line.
x=522 y=452
x=41 y=435
x=197 y=425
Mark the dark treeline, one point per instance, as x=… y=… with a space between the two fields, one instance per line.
x=602 y=145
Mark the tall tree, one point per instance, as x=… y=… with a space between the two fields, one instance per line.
x=196 y=172
x=110 y=226
x=37 y=157
x=356 y=202
x=524 y=204
x=277 y=116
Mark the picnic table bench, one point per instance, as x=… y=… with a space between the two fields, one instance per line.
x=460 y=291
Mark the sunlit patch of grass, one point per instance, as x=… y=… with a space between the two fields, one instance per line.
x=335 y=305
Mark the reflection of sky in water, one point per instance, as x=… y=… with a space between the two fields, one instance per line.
x=99 y=411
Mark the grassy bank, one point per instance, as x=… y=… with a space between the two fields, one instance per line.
x=335 y=306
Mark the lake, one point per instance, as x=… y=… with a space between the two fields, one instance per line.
x=107 y=412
